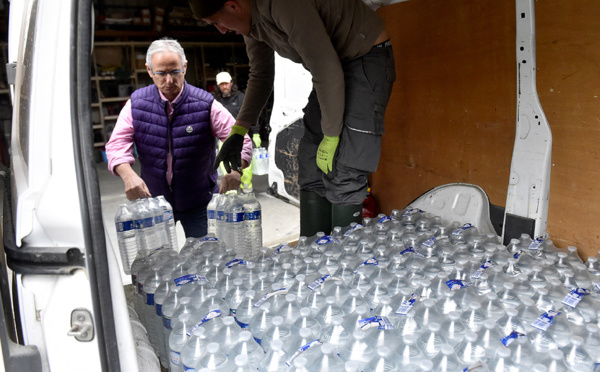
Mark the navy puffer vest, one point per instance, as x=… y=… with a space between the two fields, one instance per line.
x=191 y=141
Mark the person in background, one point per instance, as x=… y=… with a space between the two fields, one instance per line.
x=231 y=97
x=174 y=127
x=345 y=47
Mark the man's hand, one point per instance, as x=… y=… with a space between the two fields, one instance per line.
x=230 y=181
x=326 y=153
x=135 y=187
x=231 y=150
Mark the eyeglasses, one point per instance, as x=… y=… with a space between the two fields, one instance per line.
x=163 y=74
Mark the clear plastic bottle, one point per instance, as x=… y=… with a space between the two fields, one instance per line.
x=508 y=296
x=246 y=345
x=169 y=221
x=220 y=221
x=276 y=331
x=215 y=360
x=234 y=223
x=125 y=226
x=150 y=285
x=302 y=342
x=426 y=312
x=261 y=321
x=502 y=361
x=336 y=334
x=246 y=310
x=447 y=360
x=327 y=312
x=290 y=311
x=307 y=320
x=275 y=359
x=194 y=349
x=242 y=364
x=453 y=329
x=144 y=228
x=510 y=322
x=490 y=337
x=211 y=214
x=314 y=301
x=327 y=361
x=470 y=350
x=492 y=307
x=358 y=349
x=383 y=362
x=556 y=361
x=522 y=353
x=253 y=226
x=177 y=339
x=353 y=301
x=408 y=355
x=160 y=231
x=576 y=356
x=431 y=341
x=374 y=293
x=159 y=298
x=228 y=335
x=339 y=290
x=168 y=308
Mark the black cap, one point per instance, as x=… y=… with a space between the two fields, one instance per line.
x=205 y=8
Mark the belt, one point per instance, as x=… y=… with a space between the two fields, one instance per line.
x=384 y=44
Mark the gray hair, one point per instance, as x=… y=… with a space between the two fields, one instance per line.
x=165 y=44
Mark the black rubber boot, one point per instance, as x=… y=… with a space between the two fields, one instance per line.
x=343 y=215
x=315 y=214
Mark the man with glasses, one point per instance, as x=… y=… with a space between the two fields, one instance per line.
x=174 y=127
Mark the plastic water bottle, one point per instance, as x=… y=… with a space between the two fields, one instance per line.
x=431 y=341
x=177 y=339
x=168 y=308
x=246 y=345
x=275 y=359
x=382 y=362
x=328 y=360
x=245 y=310
x=446 y=360
x=160 y=230
x=336 y=334
x=220 y=217
x=159 y=297
x=234 y=223
x=470 y=350
x=327 y=312
x=453 y=329
x=144 y=228
x=211 y=214
x=358 y=349
x=277 y=331
x=228 y=336
x=169 y=221
x=150 y=285
x=307 y=320
x=215 y=360
x=253 y=226
x=194 y=349
x=576 y=357
x=126 y=236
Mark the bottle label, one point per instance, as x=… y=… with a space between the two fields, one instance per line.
x=167 y=322
x=221 y=216
x=211 y=214
x=407 y=304
x=317 y=283
x=188 y=369
x=574 y=297
x=301 y=350
x=456 y=284
x=460 y=230
x=175 y=357
x=252 y=216
x=545 y=320
x=385 y=219
x=281 y=249
x=209 y=239
x=429 y=242
x=167 y=215
x=412 y=250
x=536 y=244
x=411 y=212
x=208 y=317
x=269 y=295
x=143 y=223
x=487 y=264
x=150 y=299
x=125 y=226
x=511 y=337
x=241 y=324
x=381 y=322
x=517 y=254
x=234 y=217
x=158 y=309
x=358 y=226
x=327 y=239
x=370 y=261
x=237 y=261
x=158 y=219
x=186 y=279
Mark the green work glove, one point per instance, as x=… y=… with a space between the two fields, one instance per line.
x=231 y=151
x=326 y=152
x=256 y=140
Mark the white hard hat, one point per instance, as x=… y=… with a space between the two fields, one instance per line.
x=223 y=77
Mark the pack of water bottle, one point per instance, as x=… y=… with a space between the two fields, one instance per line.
x=404 y=292
x=144 y=226
x=236 y=220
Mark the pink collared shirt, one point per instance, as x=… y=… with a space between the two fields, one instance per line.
x=119 y=149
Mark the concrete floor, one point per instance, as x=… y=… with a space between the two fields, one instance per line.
x=281 y=220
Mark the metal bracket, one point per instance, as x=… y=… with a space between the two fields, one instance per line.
x=82 y=326
x=11 y=73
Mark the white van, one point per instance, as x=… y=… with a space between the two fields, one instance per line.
x=62 y=294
